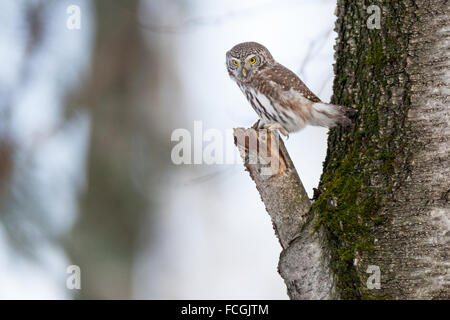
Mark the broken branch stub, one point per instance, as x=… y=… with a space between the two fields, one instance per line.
x=266 y=159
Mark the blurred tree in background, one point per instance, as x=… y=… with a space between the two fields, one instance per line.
x=103 y=241
x=125 y=154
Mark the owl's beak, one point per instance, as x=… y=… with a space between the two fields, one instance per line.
x=244 y=72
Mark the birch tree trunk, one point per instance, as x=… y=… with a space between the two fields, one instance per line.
x=383 y=204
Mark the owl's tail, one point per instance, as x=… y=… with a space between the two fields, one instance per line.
x=330 y=115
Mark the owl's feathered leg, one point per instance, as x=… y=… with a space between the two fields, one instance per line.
x=257 y=125
x=279 y=127
x=260 y=124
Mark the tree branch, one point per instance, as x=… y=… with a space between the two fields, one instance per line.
x=304 y=262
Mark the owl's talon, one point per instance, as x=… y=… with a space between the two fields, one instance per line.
x=279 y=127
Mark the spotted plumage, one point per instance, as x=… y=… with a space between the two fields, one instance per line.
x=281 y=100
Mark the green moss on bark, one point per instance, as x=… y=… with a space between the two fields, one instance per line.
x=359 y=170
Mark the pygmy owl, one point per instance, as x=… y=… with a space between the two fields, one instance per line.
x=281 y=100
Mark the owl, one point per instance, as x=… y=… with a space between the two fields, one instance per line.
x=281 y=100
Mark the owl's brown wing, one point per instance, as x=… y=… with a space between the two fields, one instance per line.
x=285 y=79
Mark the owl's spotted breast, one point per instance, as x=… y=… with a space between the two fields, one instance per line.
x=271 y=111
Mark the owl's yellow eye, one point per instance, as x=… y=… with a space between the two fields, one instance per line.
x=235 y=62
x=252 y=60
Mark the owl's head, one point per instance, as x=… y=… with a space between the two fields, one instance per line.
x=245 y=59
